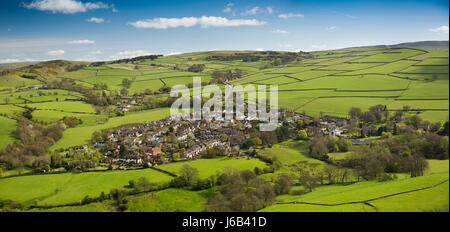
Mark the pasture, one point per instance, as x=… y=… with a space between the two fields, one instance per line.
x=54 y=189
x=7 y=126
x=208 y=167
x=334 y=194
x=169 y=200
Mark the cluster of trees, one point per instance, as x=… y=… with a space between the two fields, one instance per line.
x=72 y=121
x=376 y=114
x=31 y=148
x=75 y=67
x=320 y=146
x=10 y=206
x=152 y=102
x=241 y=191
x=197 y=68
x=142 y=185
x=222 y=76
x=406 y=153
x=135 y=59
x=100 y=86
x=276 y=58
x=375 y=162
x=310 y=175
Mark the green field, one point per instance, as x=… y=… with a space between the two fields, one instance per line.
x=289 y=152
x=208 y=167
x=415 y=201
x=7 y=126
x=74 y=107
x=65 y=188
x=169 y=200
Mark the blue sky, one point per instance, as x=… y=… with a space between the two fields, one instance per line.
x=109 y=29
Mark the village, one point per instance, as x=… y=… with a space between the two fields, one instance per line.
x=170 y=140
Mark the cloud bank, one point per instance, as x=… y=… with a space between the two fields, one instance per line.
x=129 y=54
x=204 y=22
x=67 y=6
x=85 y=41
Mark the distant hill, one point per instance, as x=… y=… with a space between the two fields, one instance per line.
x=438 y=45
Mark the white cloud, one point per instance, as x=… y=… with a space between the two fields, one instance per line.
x=204 y=21
x=331 y=28
x=290 y=15
x=96 y=20
x=9 y=61
x=228 y=9
x=252 y=11
x=56 y=53
x=129 y=54
x=66 y=6
x=280 y=31
x=441 y=29
x=85 y=41
x=258 y=49
x=269 y=10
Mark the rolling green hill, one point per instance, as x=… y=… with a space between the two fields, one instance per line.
x=316 y=83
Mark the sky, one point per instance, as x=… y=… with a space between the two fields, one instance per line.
x=94 y=30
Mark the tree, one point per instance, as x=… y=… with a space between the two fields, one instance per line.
x=72 y=121
x=124 y=92
x=318 y=148
x=302 y=135
x=417 y=166
x=126 y=83
x=283 y=184
x=197 y=68
x=415 y=120
x=355 y=113
x=257 y=141
x=435 y=127
x=176 y=156
x=188 y=176
x=144 y=184
x=330 y=173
